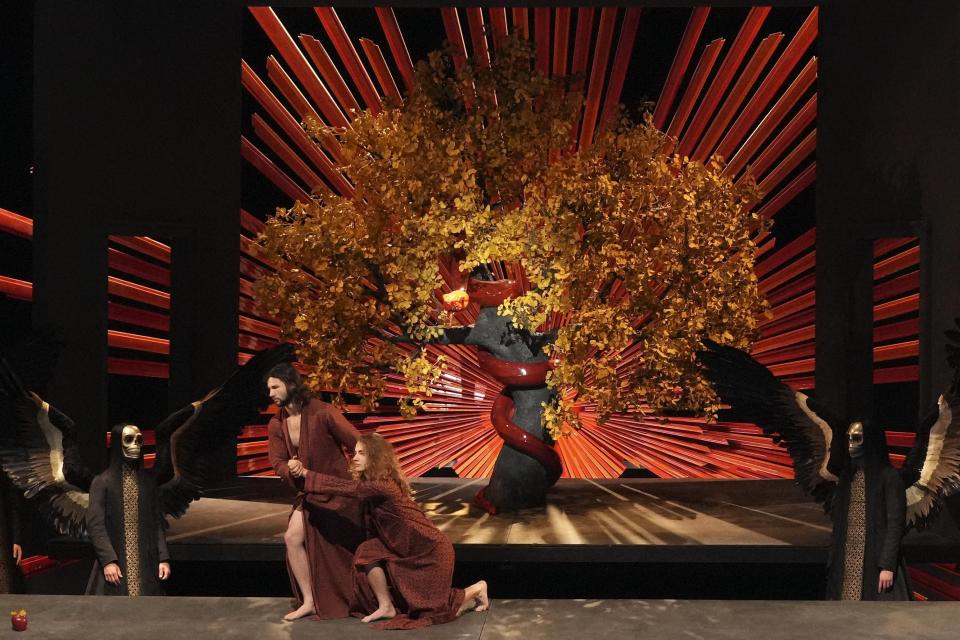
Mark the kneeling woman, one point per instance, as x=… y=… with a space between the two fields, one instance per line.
x=404 y=570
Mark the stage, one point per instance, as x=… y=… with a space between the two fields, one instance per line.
x=649 y=538
x=81 y=618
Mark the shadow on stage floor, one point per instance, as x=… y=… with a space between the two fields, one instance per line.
x=628 y=538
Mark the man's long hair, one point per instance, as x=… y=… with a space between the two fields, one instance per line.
x=297 y=392
x=382 y=462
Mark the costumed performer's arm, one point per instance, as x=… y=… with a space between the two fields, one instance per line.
x=278 y=455
x=345 y=434
x=896 y=506
x=97 y=530
x=332 y=485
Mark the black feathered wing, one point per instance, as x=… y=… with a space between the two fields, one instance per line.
x=938 y=475
x=189 y=441
x=791 y=418
x=38 y=451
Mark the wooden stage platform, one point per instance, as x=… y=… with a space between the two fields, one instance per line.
x=94 y=618
x=606 y=521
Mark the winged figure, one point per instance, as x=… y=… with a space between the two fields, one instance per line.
x=845 y=466
x=123 y=509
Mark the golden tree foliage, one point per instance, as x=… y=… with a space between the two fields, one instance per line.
x=629 y=242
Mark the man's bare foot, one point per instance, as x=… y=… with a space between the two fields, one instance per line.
x=382 y=613
x=305 y=610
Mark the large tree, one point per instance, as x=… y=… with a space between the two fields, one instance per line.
x=615 y=245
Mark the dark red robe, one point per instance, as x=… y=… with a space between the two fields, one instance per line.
x=332 y=526
x=417 y=558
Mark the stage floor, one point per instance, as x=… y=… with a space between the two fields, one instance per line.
x=627 y=520
x=93 y=618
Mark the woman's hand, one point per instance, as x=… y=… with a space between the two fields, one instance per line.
x=886 y=581
x=164 y=570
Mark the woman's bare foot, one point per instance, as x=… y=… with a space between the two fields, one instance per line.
x=305 y=610
x=483 y=601
x=475 y=598
x=382 y=613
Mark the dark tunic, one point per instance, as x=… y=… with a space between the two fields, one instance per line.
x=118 y=521
x=332 y=526
x=417 y=558
x=11 y=500
x=871 y=532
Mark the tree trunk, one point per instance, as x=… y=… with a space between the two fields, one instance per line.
x=519 y=480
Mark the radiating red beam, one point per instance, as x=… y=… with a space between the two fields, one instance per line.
x=678 y=68
x=16 y=224
x=795 y=247
x=140 y=368
x=133 y=291
x=451 y=24
x=898 y=307
x=144 y=245
x=771 y=84
x=272 y=172
x=621 y=60
x=331 y=75
x=601 y=55
x=348 y=54
x=381 y=70
x=907 y=283
x=290 y=126
x=787 y=136
x=692 y=92
x=791 y=191
x=398 y=47
x=736 y=97
x=135 y=342
x=581 y=48
x=521 y=24
x=897 y=262
x=478 y=37
x=281 y=39
x=283 y=150
x=742 y=43
x=771 y=121
x=498 y=25
x=138 y=317
x=131 y=265
x=561 y=41
x=890 y=375
x=541 y=29
x=897 y=330
x=793 y=159
x=16 y=289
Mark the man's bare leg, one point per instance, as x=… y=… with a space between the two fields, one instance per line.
x=295 y=539
x=475 y=598
x=378 y=582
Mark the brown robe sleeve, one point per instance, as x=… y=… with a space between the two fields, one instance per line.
x=97 y=525
x=332 y=485
x=344 y=433
x=279 y=455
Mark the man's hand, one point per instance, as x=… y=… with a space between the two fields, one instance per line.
x=296 y=467
x=112 y=573
x=17 y=553
x=164 y=570
x=886 y=581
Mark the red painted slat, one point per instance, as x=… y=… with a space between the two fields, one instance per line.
x=788 y=193
x=281 y=39
x=16 y=224
x=288 y=155
x=787 y=136
x=736 y=97
x=692 y=92
x=621 y=60
x=800 y=85
x=398 y=47
x=793 y=159
x=771 y=84
x=541 y=30
x=521 y=24
x=348 y=54
x=731 y=63
x=451 y=24
x=381 y=70
x=678 y=68
x=272 y=172
x=598 y=73
x=478 y=38
x=331 y=75
x=16 y=289
x=561 y=41
x=498 y=24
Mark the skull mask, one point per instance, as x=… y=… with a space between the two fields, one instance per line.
x=855 y=439
x=131 y=441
